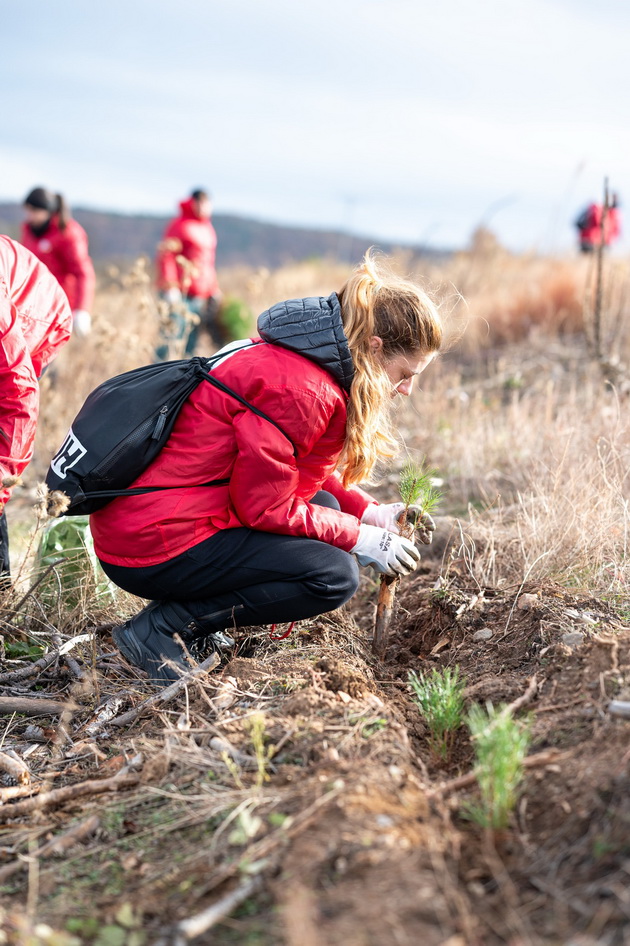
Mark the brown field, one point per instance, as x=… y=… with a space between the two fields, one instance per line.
x=294 y=789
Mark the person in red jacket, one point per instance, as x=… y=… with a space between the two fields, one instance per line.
x=187 y=278
x=35 y=321
x=277 y=542
x=61 y=243
x=597 y=222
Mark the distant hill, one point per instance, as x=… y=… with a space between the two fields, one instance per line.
x=119 y=237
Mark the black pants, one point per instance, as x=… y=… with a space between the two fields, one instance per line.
x=242 y=577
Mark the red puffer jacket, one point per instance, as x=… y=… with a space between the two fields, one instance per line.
x=194 y=238
x=591 y=230
x=65 y=253
x=35 y=321
x=215 y=437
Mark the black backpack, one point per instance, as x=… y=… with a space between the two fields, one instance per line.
x=121 y=428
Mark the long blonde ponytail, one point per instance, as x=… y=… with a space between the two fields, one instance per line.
x=375 y=302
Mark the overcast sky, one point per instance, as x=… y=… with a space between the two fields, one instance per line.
x=411 y=120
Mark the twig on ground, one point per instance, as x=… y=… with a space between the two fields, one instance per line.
x=30 y=669
x=123 y=779
x=73 y=667
x=57 y=845
x=17 y=791
x=527 y=697
x=43 y=663
x=196 y=925
x=33 y=706
x=15 y=767
x=619 y=708
x=465 y=781
x=168 y=693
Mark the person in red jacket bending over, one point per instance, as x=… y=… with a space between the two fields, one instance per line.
x=35 y=321
x=597 y=222
x=61 y=243
x=278 y=541
x=187 y=278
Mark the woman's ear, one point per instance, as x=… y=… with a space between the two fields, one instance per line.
x=376 y=343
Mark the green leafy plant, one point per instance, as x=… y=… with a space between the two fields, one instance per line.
x=439 y=696
x=500 y=744
x=236 y=318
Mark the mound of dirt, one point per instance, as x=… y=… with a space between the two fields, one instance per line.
x=296 y=791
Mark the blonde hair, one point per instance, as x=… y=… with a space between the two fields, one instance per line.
x=376 y=302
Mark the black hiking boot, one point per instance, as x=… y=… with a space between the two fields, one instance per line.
x=146 y=640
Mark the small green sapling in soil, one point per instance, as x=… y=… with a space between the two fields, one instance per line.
x=439 y=696
x=420 y=497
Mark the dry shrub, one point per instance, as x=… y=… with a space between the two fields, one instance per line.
x=505 y=297
x=541 y=469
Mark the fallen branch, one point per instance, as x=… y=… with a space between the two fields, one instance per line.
x=18 y=791
x=123 y=779
x=57 y=845
x=527 y=697
x=196 y=925
x=15 y=767
x=33 y=706
x=619 y=708
x=29 y=670
x=43 y=663
x=466 y=781
x=167 y=694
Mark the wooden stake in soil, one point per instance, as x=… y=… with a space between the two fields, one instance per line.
x=387 y=596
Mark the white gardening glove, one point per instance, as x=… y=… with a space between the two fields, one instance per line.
x=173 y=295
x=386 y=515
x=81 y=323
x=385 y=551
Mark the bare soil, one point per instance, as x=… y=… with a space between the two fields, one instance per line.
x=298 y=777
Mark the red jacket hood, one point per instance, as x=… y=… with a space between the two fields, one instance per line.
x=188 y=213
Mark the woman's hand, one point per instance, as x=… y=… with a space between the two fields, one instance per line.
x=386 y=515
x=385 y=551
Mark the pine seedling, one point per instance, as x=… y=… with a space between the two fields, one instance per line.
x=501 y=744
x=416 y=487
x=439 y=696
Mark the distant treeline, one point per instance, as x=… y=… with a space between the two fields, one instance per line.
x=116 y=237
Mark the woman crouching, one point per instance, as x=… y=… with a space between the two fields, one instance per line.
x=281 y=539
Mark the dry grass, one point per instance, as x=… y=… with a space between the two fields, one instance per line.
x=516 y=416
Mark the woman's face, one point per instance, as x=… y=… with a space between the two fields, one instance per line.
x=35 y=216
x=402 y=369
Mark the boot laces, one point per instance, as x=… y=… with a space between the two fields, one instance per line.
x=199 y=644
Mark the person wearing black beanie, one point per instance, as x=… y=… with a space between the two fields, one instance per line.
x=62 y=244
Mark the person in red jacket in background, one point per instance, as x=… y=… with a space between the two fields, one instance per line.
x=597 y=221
x=276 y=541
x=187 y=278
x=35 y=321
x=62 y=244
